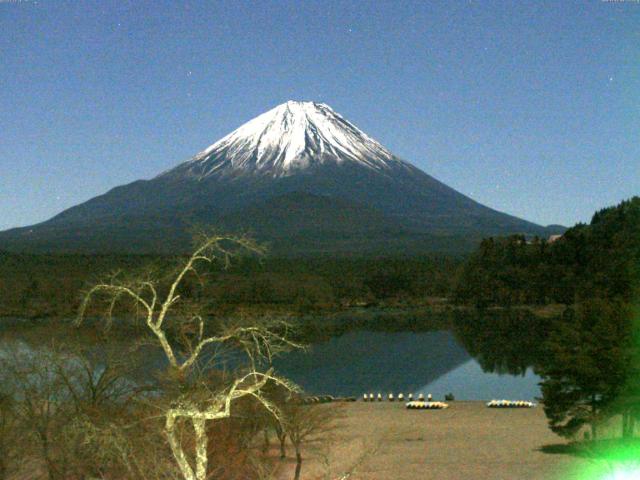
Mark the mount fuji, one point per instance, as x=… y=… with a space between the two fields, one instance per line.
x=300 y=177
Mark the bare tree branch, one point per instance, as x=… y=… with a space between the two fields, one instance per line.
x=258 y=342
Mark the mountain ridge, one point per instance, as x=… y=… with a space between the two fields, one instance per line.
x=297 y=148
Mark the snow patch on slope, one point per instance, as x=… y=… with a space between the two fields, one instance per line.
x=289 y=138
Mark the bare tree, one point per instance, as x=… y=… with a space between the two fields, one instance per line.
x=281 y=433
x=8 y=433
x=182 y=336
x=128 y=447
x=305 y=425
x=41 y=404
x=107 y=423
x=52 y=399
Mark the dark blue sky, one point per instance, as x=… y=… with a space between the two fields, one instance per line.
x=532 y=108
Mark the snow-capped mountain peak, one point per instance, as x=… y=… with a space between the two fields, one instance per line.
x=287 y=139
x=300 y=177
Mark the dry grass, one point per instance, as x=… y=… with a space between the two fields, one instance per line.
x=383 y=441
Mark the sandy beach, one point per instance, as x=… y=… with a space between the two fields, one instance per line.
x=381 y=441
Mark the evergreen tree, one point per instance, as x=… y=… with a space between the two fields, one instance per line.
x=590 y=351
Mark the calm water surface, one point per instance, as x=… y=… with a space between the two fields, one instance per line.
x=409 y=362
x=425 y=362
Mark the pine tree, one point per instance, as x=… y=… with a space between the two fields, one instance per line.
x=590 y=351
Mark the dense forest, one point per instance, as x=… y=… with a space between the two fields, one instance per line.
x=589 y=355
x=34 y=286
x=597 y=260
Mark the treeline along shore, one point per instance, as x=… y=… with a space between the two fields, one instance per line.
x=514 y=271
x=38 y=286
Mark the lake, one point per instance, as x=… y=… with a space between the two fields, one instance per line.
x=417 y=362
x=480 y=358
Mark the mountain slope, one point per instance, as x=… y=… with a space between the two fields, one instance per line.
x=296 y=173
x=285 y=140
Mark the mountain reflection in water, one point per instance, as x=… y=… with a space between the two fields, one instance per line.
x=483 y=356
x=364 y=361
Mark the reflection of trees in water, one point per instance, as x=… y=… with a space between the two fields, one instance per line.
x=502 y=341
x=379 y=351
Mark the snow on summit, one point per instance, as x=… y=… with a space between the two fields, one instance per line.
x=288 y=138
